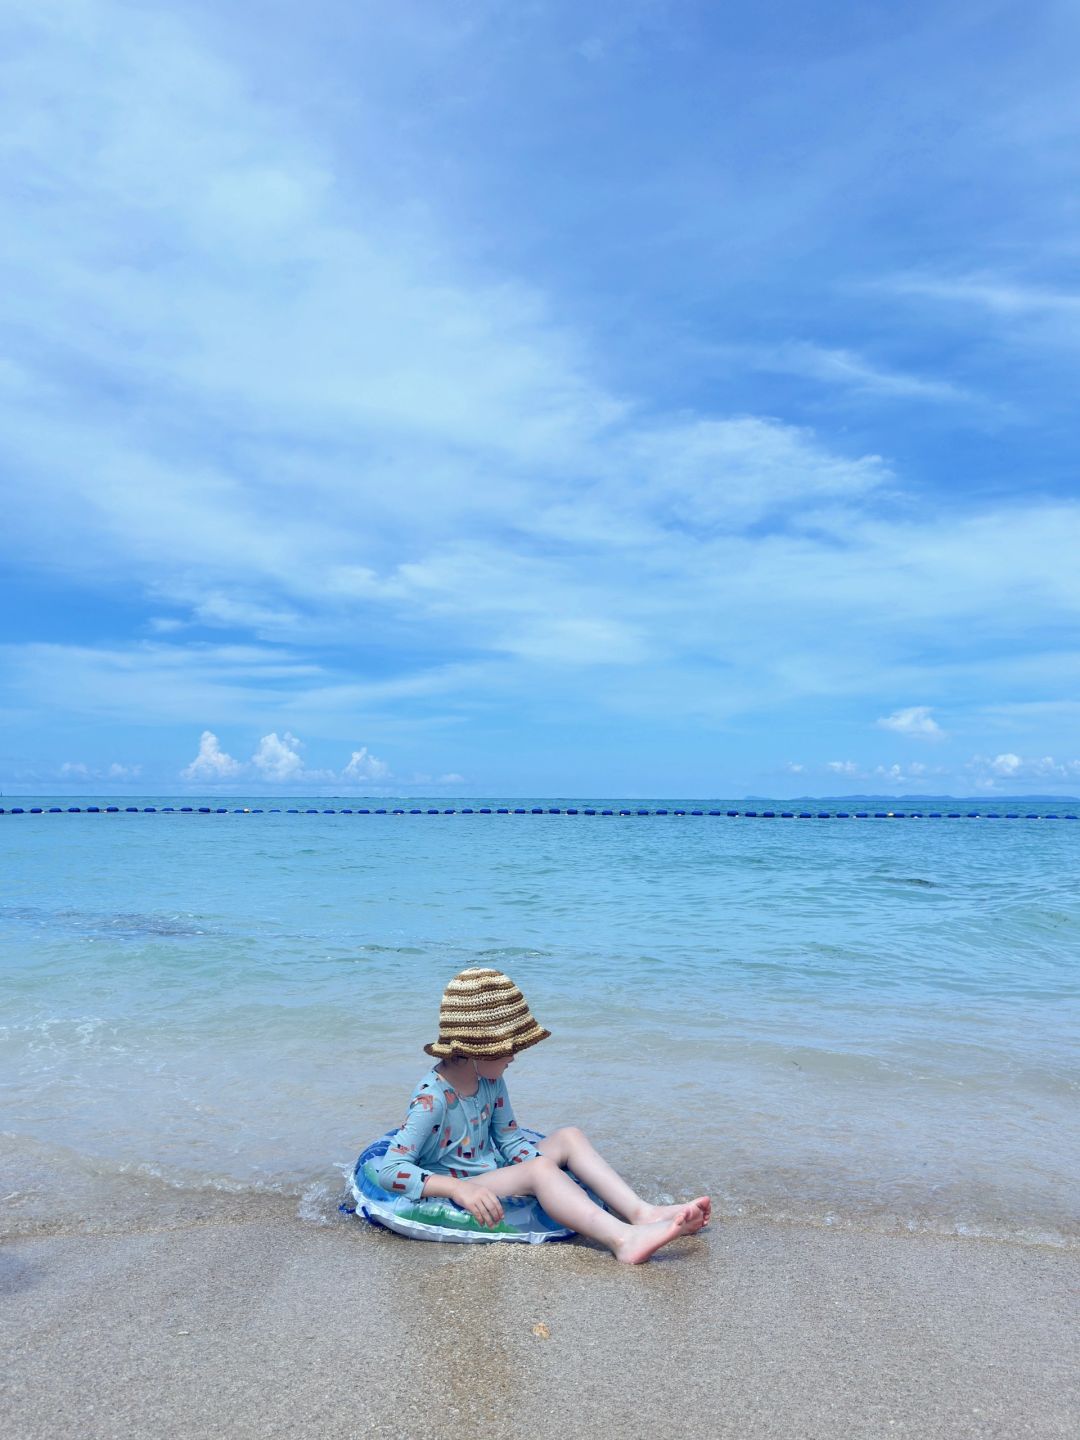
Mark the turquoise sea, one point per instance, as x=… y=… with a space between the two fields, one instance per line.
x=853 y=1023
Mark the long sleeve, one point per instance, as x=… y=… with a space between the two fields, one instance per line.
x=402 y=1172
x=505 y=1135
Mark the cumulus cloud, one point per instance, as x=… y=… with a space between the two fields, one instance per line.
x=914 y=774
x=915 y=721
x=1006 y=771
x=277 y=760
x=365 y=766
x=211 y=763
x=1009 y=766
x=884 y=775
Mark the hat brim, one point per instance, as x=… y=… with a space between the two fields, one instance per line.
x=492 y=1050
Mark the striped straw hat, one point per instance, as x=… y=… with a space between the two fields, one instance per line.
x=484 y=1014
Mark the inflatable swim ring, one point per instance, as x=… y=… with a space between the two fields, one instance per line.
x=439 y=1219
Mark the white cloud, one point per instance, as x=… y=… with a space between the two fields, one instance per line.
x=211 y=763
x=451 y=779
x=449 y=399
x=1001 y=295
x=890 y=773
x=365 y=766
x=1012 y=311
x=336 y=425
x=727 y=474
x=885 y=775
x=981 y=772
x=236 y=613
x=159 y=681
x=850 y=371
x=1006 y=764
x=79 y=770
x=915 y=721
x=1010 y=766
x=894 y=774
x=277 y=758
x=913 y=774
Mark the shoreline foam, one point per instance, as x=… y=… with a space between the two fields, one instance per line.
x=57 y=1192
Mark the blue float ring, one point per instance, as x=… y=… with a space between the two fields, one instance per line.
x=523 y=1222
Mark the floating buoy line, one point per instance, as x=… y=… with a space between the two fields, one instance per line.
x=630 y=813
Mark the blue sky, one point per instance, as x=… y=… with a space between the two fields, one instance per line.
x=636 y=398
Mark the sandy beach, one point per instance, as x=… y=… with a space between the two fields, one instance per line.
x=271 y=1327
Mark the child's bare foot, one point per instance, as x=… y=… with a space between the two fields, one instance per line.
x=649 y=1214
x=644 y=1240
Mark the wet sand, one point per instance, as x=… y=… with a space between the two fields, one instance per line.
x=273 y=1327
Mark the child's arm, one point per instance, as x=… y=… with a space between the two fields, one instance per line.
x=505 y=1134
x=471 y=1195
x=401 y=1172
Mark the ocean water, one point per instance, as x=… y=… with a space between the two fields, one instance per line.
x=870 y=1024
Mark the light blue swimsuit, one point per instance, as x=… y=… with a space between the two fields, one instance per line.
x=446 y=1133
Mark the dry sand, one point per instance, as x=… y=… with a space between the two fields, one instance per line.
x=278 y=1328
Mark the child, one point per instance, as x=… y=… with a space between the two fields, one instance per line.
x=460 y=1139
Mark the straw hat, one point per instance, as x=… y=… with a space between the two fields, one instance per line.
x=484 y=1014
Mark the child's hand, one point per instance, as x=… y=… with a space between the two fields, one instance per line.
x=482 y=1204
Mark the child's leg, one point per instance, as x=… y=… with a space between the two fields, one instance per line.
x=566 y=1202
x=569 y=1147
